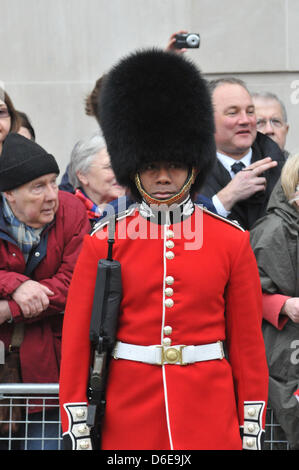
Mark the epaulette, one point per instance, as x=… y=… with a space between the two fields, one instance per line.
x=234 y=223
x=106 y=220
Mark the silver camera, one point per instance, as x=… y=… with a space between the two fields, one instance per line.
x=187 y=40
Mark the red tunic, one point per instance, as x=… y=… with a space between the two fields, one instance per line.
x=216 y=296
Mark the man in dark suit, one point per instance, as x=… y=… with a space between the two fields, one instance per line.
x=248 y=163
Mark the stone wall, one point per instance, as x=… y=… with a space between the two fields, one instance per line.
x=52 y=52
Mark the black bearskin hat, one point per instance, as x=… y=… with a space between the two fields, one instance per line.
x=155 y=106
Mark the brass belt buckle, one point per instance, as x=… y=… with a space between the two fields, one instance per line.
x=172 y=355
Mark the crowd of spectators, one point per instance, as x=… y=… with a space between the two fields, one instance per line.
x=43 y=222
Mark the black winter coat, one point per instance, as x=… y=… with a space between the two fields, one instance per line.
x=248 y=211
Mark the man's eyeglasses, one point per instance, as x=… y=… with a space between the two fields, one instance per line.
x=4 y=113
x=261 y=123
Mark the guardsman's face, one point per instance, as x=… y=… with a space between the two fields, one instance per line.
x=163 y=180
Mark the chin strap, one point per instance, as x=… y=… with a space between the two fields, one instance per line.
x=151 y=200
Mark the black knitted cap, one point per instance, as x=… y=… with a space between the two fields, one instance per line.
x=23 y=160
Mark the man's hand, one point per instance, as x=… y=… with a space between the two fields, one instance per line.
x=291 y=309
x=171 y=43
x=246 y=183
x=32 y=298
x=5 y=313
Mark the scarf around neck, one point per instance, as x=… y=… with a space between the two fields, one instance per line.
x=93 y=211
x=25 y=236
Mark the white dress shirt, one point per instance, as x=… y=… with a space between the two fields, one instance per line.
x=227 y=162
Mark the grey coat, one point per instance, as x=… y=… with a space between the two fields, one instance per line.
x=274 y=240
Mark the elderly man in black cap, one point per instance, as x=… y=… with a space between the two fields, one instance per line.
x=41 y=231
x=189 y=281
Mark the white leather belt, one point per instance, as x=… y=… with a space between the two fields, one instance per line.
x=160 y=355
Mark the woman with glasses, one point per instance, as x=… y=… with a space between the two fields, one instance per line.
x=9 y=119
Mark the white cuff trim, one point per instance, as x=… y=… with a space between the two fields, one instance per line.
x=78 y=430
x=253 y=416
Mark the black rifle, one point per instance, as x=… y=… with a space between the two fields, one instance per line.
x=103 y=327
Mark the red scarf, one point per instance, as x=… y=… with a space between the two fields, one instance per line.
x=93 y=211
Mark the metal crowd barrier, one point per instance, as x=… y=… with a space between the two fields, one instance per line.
x=40 y=431
x=12 y=395
x=275 y=438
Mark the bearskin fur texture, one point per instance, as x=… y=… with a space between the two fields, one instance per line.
x=155 y=106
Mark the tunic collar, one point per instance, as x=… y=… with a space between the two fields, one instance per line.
x=167 y=215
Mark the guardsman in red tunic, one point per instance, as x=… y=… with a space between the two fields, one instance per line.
x=188 y=369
